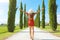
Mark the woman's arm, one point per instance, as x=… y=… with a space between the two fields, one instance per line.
x=39 y=11
x=24 y=12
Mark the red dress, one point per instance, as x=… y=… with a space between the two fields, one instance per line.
x=30 y=20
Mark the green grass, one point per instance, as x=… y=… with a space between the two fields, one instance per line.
x=4 y=32
x=56 y=33
x=3 y=29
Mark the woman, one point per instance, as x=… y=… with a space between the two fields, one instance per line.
x=30 y=15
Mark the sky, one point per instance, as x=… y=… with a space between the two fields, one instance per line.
x=30 y=4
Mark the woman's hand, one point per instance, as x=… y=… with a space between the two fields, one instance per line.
x=42 y=8
x=39 y=11
x=21 y=10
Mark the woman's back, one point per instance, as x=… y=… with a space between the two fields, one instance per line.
x=31 y=16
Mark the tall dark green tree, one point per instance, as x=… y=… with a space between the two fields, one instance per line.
x=43 y=14
x=52 y=14
x=11 y=15
x=26 y=21
x=37 y=19
x=25 y=15
x=21 y=16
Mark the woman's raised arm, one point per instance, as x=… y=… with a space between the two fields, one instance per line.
x=23 y=11
x=39 y=11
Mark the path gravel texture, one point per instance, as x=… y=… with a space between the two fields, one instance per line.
x=38 y=35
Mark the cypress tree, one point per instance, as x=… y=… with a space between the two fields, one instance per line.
x=21 y=16
x=25 y=15
x=11 y=15
x=43 y=15
x=37 y=19
x=26 y=21
x=52 y=14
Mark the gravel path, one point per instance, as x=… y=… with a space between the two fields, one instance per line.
x=38 y=35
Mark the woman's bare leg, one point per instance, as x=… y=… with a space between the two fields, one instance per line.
x=32 y=32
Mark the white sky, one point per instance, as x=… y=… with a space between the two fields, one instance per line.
x=4 y=1
x=3 y=16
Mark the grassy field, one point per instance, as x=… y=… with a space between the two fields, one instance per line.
x=56 y=33
x=4 y=32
